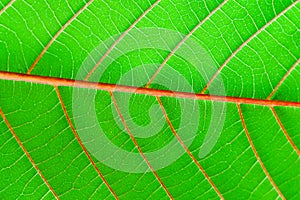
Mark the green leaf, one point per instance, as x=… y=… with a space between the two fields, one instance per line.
x=180 y=99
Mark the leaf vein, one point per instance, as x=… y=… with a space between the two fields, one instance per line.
x=245 y=43
x=81 y=144
x=187 y=150
x=138 y=147
x=6 y=7
x=256 y=153
x=146 y=91
x=27 y=154
x=56 y=36
x=119 y=39
x=182 y=42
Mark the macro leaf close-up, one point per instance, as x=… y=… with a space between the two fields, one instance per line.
x=150 y=99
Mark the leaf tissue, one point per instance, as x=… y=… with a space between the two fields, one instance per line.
x=150 y=99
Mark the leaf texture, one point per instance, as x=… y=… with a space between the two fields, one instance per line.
x=164 y=99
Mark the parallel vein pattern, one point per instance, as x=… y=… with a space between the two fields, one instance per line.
x=160 y=103
x=274 y=112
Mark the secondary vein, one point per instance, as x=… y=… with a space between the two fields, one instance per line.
x=245 y=43
x=6 y=7
x=256 y=153
x=27 y=154
x=183 y=41
x=56 y=36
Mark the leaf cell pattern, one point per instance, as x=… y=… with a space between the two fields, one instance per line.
x=254 y=48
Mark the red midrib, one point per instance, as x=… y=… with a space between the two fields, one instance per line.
x=147 y=91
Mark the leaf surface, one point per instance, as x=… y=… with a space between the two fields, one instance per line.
x=196 y=99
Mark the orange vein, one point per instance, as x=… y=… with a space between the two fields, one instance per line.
x=283 y=79
x=119 y=39
x=274 y=112
x=138 y=147
x=187 y=150
x=27 y=154
x=256 y=153
x=245 y=43
x=6 y=7
x=56 y=36
x=284 y=131
x=147 y=91
x=81 y=144
x=182 y=42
